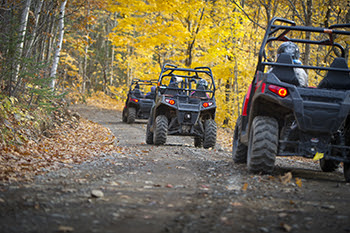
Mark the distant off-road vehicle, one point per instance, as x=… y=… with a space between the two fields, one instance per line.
x=140 y=100
x=282 y=118
x=184 y=105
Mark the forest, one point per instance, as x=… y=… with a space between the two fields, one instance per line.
x=72 y=49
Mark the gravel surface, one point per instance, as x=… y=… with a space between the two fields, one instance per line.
x=174 y=188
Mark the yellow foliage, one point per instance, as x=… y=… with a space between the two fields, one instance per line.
x=101 y=100
x=148 y=34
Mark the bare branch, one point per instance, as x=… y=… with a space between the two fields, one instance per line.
x=257 y=24
x=296 y=11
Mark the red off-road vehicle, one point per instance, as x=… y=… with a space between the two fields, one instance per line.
x=139 y=100
x=281 y=118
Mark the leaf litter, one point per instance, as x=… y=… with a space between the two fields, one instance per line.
x=71 y=142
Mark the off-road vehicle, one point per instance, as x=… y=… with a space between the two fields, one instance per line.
x=140 y=100
x=185 y=105
x=281 y=118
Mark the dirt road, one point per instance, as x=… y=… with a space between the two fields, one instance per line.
x=174 y=188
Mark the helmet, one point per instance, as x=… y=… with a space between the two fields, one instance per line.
x=290 y=48
x=175 y=79
x=153 y=89
x=202 y=82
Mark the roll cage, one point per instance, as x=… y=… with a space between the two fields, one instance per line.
x=275 y=32
x=136 y=81
x=188 y=76
x=279 y=33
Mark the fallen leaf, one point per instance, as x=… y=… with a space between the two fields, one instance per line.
x=65 y=229
x=245 y=186
x=286 y=227
x=298 y=182
x=236 y=204
x=286 y=178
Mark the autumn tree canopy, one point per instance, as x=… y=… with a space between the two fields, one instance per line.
x=107 y=43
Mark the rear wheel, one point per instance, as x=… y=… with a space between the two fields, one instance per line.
x=209 y=134
x=239 y=150
x=131 y=115
x=262 y=146
x=328 y=165
x=161 y=130
x=149 y=134
x=198 y=141
x=347 y=171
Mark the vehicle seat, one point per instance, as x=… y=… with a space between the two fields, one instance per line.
x=336 y=79
x=171 y=91
x=151 y=95
x=285 y=74
x=201 y=92
x=138 y=93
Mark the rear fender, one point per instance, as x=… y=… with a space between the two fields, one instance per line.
x=208 y=114
x=133 y=105
x=163 y=109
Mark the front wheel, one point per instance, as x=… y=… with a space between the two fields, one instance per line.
x=239 y=150
x=262 y=146
x=149 y=134
x=209 y=133
x=124 y=115
x=131 y=115
x=161 y=130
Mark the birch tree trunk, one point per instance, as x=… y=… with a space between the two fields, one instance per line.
x=59 y=45
x=22 y=33
x=37 y=16
x=85 y=78
x=112 y=64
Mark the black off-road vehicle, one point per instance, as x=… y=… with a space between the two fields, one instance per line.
x=281 y=118
x=185 y=105
x=140 y=100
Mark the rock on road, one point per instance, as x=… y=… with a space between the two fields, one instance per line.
x=174 y=188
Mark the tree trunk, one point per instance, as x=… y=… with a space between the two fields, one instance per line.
x=85 y=78
x=112 y=64
x=22 y=33
x=85 y=64
x=37 y=16
x=190 y=44
x=59 y=45
x=308 y=22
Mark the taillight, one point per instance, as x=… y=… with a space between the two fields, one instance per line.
x=134 y=100
x=207 y=104
x=170 y=101
x=281 y=91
